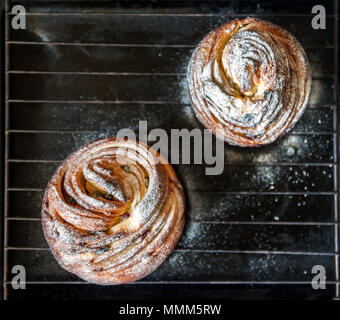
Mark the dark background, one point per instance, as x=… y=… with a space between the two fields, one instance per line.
x=82 y=70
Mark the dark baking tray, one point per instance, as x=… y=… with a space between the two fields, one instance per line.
x=82 y=70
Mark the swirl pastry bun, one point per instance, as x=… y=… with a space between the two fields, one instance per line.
x=113 y=211
x=249 y=82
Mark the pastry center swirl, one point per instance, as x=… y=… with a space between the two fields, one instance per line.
x=249 y=63
x=244 y=79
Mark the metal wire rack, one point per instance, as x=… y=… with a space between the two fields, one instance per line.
x=82 y=70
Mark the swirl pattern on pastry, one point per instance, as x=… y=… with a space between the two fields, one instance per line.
x=249 y=82
x=113 y=211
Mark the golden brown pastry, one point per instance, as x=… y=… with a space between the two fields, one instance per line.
x=113 y=212
x=249 y=82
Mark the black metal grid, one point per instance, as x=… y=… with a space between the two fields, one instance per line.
x=83 y=70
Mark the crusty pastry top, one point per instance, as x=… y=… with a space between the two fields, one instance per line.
x=249 y=82
x=113 y=211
